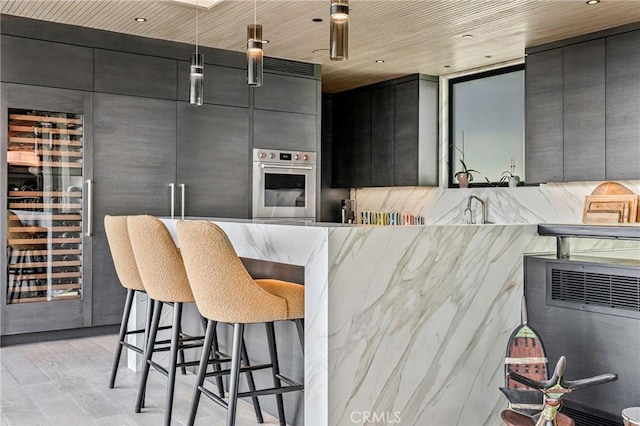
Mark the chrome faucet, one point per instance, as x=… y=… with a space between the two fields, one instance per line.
x=468 y=209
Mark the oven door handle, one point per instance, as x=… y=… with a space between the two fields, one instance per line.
x=278 y=166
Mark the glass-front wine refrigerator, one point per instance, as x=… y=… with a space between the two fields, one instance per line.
x=45 y=225
x=44 y=221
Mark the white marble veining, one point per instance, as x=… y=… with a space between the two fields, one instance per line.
x=550 y=203
x=419 y=319
x=403 y=324
x=407 y=323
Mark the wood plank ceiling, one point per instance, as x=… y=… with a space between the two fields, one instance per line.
x=410 y=36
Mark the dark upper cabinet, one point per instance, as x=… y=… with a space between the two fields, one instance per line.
x=382 y=136
x=544 y=123
x=222 y=85
x=341 y=141
x=584 y=111
x=284 y=130
x=43 y=63
x=405 y=145
x=134 y=162
x=213 y=153
x=135 y=75
x=286 y=93
x=361 y=139
x=386 y=134
x=623 y=106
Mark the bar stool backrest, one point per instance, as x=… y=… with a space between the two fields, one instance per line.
x=223 y=289
x=122 y=253
x=159 y=260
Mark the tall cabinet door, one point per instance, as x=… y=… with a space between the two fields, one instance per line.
x=623 y=106
x=213 y=166
x=382 y=136
x=134 y=165
x=544 y=122
x=361 y=139
x=584 y=111
x=45 y=161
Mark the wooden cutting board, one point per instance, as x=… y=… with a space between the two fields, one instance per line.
x=611 y=188
x=610 y=209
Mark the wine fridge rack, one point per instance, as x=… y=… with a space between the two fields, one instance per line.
x=45 y=206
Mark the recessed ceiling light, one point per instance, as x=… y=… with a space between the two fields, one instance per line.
x=140 y=19
x=317 y=19
x=379 y=61
x=592 y=1
x=467 y=36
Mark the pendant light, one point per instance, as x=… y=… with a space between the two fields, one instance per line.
x=196 y=72
x=254 y=51
x=339 y=30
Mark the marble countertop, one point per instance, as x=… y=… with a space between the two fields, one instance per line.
x=627 y=231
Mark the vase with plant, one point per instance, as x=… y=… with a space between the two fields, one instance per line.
x=464 y=176
x=509 y=176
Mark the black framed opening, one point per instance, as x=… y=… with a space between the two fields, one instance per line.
x=480 y=179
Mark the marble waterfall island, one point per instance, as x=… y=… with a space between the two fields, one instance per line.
x=403 y=325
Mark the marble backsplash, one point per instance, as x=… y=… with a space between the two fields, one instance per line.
x=549 y=203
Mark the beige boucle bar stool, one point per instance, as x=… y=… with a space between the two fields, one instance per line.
x=225 y=292
x=125 y=264
x=129 y=277
x=165 y=280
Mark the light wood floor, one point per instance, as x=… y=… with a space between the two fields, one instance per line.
x=66 y=383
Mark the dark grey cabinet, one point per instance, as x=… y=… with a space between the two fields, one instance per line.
x=43 y=63
x=213 y=152
x=284 y=130
x=135 y=75
x=584 y=111
x=361 y=139
x=622 y=151
x=134 y=163
x=544 y=85
x=286 y=93
x=386 y=134
x=382 y=136
x=222 y=85
x=341 y=141
x=405 y=147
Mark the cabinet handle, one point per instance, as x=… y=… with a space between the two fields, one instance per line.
x=173 y=199
x=277 y=166
x=182 y=200
x=89 y=208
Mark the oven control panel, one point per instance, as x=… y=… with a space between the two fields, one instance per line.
x=283 y=157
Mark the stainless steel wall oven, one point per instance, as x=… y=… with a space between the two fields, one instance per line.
x=284 y=184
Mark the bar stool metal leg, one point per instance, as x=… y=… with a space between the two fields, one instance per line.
x=251 y=384
x=238 y=331
x=153 y=331
x=147 y=327
x=121 y=336
x=173 y=360
x=183 y=369
x=275 y=370
x=202 y=370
